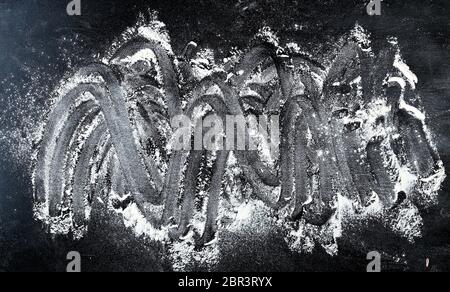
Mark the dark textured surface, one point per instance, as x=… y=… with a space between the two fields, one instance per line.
x=38 y=38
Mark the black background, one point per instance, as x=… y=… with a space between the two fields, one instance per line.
x=38 y=38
